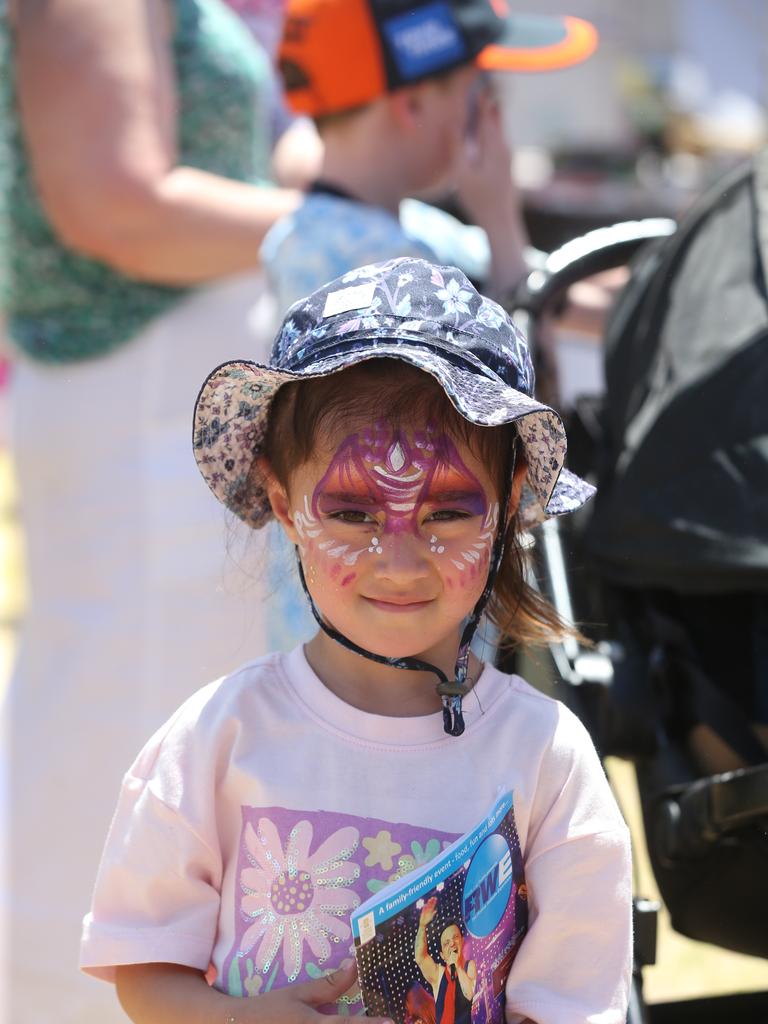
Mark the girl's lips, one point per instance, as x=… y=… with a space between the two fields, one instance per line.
x=397 y=605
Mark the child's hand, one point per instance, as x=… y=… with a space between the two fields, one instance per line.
x=489 y=196
x=484 y=172
x=299 y=1004
x=161 y=993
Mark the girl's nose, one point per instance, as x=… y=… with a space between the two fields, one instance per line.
x=402 y=557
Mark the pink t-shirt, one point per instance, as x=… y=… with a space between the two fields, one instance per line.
x=266 y=809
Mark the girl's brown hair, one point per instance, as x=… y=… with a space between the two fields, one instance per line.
x=399 y=393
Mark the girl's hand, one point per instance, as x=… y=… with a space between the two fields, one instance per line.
x=171 y=994
x=299 y=1004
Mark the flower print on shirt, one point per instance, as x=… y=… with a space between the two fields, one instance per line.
x=295 y=896
x=333 y=862
x=417 y=858
x=381 y=849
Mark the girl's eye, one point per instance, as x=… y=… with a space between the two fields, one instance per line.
x=448 y=515
x=352 y=515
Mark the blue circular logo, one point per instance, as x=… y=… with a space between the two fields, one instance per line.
x=487 y=886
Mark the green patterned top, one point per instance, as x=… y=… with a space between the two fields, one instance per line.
x=62 y=306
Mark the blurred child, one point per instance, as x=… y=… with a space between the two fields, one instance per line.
x=402 y=106
x=401 y=96
x=296 y=146
x=401 y=453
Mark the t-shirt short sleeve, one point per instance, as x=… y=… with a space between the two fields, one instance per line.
x=578 y=876
x=156 y=897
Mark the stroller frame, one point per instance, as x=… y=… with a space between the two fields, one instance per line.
x=688 y=818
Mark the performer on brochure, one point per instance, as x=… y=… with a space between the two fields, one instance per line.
x=453 y=982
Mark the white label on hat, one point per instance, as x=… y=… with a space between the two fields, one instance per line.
x=358 y=297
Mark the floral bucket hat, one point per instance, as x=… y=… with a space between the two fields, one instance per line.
x=409 y=309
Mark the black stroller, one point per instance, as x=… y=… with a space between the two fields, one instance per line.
x=677 y=544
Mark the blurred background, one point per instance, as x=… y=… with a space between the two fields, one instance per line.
x=677 y=93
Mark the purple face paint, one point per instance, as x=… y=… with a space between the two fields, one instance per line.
x=382 y=471
x=386 y=480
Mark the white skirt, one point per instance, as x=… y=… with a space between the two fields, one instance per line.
x=141 y=590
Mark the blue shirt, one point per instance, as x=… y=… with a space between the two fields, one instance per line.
x=329 y=235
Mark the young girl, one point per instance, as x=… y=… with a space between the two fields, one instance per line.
x=395 y=438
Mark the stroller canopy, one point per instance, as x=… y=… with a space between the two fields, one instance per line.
x=683 y=486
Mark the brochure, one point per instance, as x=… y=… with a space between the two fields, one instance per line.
x=436 y=946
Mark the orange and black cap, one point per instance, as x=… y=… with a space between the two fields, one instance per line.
x=340 y=54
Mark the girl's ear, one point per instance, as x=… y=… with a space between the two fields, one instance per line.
x=518 y=479
x=279 y=500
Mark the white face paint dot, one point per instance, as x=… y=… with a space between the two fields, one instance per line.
x=375 y=545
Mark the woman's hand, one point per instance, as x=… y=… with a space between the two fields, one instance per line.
x=172 y=994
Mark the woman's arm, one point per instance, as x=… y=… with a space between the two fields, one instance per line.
x=172 y=994
x=97 y=95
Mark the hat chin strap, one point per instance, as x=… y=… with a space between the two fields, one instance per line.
x=451 y=692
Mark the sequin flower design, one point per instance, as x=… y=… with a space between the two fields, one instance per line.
x=292 y=896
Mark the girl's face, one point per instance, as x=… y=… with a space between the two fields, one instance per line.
x=394 y=530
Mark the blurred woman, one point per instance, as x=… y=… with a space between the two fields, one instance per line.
x=132 y=174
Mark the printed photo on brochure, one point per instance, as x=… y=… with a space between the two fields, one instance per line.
x=436 y=946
